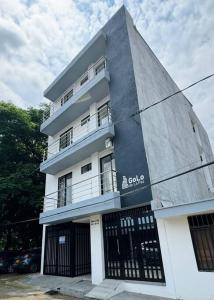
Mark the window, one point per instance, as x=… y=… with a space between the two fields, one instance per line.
x=66 y=139
x=103 y=114
x=202 y=233
x=85 y=120
x=100 y=67
x=107 y=167
x=86 y=168
x=68 y=95
x=84 y=80
x=64 y=190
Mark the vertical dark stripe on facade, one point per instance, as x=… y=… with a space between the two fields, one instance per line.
x=130 y=156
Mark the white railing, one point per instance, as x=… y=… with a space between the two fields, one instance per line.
x=101 y=118
x=92 y=71
x=84 y=190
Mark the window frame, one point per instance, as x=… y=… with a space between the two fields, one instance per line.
x=107 y=104
x=68 y=95
x=101 y=66
x=87 y=170
x=64 y=194
x=71 y=138
x=201 y=229
x=84 y=80
x=86 y=120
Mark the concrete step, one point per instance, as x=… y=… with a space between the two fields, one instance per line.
x=107 y=289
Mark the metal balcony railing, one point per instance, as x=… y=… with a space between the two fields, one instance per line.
x=77 y=132
x=84 y=190
x=92 y=71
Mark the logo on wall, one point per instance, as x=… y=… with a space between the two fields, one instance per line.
x=132 y=181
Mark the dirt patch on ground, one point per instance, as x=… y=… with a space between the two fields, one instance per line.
x=41 y=297
x=12 y=287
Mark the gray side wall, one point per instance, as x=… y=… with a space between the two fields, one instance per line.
x=130 y=157
x=168 y=135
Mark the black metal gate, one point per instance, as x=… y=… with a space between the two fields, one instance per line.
x=67 y=250
x=132 y=249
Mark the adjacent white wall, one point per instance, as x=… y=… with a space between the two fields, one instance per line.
x=190 y=284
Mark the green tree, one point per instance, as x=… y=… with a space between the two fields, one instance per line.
x=21 y=183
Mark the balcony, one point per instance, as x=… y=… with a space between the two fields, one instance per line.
x=79 y=142
x=91 y=87
x=95 y=195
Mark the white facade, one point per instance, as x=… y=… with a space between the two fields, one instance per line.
x=174 y=141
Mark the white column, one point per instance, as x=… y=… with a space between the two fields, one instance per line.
x=43 y=249
x=166 y=257
x=97 y=249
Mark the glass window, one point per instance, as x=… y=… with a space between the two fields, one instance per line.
x=86 y=168
x=202 y=233
x=68 y=95
x=85 y=120
x=66 y=139
x=64 y=190
x=100 y=67
x=84 y=80
x=107 y=167
x=103 y=114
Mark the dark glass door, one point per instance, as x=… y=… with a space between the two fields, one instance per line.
x=65 y=190
x=103 y=114
x=107 y=167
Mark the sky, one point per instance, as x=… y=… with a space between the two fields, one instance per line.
x=38 y=38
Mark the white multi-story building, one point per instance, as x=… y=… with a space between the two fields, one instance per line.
x=103 y=214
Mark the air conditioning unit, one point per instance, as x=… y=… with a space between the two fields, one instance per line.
x=108 y=143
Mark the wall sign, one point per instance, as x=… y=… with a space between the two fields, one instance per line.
x=132 y=181
x=95 y=222
x=62 y=239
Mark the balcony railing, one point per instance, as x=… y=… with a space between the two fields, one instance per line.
x=84 y=190
x=92 y=71
x=88 y=124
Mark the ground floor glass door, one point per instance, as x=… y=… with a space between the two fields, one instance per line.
x=131 y=245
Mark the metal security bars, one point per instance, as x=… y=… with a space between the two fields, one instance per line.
x=67 y=250
x=86 y=189
x=131 y=243
x=92 y=71
x=76 y=133
x=202 y=233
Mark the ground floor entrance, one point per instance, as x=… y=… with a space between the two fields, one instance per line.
x=131 y=245
x=67 y=250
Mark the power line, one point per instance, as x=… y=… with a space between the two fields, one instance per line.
x=178 y=92
x=137 y=112
x=133 y=191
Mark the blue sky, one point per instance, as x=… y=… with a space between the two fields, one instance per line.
x=40 y=37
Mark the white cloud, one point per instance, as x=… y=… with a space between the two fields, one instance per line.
x=39 y=38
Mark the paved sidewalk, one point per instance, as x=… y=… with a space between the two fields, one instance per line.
x=36 y=286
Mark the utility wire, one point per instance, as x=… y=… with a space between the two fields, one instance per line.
x=133 y=191
x=137 y=113
x=178 y=92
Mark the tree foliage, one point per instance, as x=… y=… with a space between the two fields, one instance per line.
x=21 y=183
